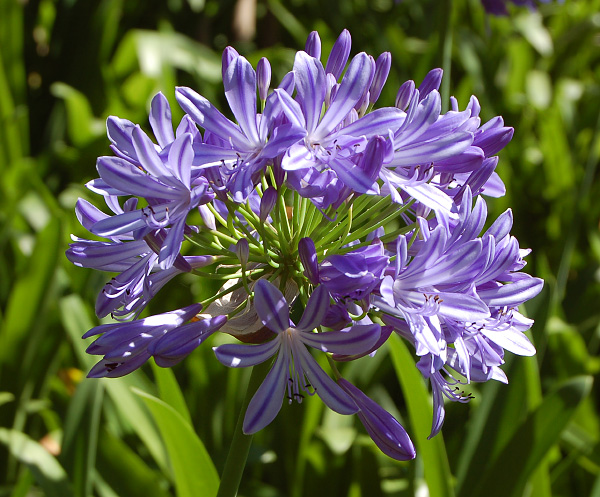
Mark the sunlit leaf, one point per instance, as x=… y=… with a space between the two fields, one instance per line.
x=193 y=469
x=47 y=471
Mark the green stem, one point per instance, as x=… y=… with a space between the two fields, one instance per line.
x=240 y=445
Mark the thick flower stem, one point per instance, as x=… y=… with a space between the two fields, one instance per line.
x=240 y=445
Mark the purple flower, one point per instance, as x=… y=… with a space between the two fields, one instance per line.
x=294 y=370
x=293 y=168
x=455 y=287
x=140 y=277
x=389 y=435
x=241 y=149
x=328 y=147
x=166 y=184
x=125 y=345
x=354 y=275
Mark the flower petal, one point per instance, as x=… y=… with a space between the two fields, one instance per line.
x=354 y=84
x=350 y=341
x=378 y=122
x=149 y=158
x=315 y=311
x=510 y=339
x=240 y=91
x=181 y=156
x=271 y=306
x=311 y=87
x=237 y=355
x=123 y=175
x=330 y=392
x=512 y=294
x=160 y=120
x=210 y=118
x=266 y=403
x=291 y=108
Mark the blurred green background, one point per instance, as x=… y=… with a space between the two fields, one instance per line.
x=68 y=64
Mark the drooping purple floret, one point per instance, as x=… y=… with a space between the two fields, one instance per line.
x=125 y=345
x=387 y=433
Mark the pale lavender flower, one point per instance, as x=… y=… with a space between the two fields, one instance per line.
x=456 y=287
x=327 y=146
x=240 y=149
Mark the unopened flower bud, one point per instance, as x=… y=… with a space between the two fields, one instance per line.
x=339 y=54
x=387 y=433
x=431 y=82
x=207 y=217
x=267 y=202
x=313 y=45
x=382 y=70
x=242 y=250
x=308 y=257
x=263 y=78
x=405 y=94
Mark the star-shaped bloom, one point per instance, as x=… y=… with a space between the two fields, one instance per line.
x=241 y=149
x=295 y=370
x=166 y=184
x=328 y=143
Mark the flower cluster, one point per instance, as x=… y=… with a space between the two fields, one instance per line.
x=332 y=225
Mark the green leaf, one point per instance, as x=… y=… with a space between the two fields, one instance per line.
x=30 y=293
x=432 y=452
x=83 y=127
x=497 y=417
x=47 y=471
x=125 y=472
x=532 y=28
x=287 y=20
x=156 y=50
x=531 y=441
x=193 y=469
x=6 y=397
x=170 y=392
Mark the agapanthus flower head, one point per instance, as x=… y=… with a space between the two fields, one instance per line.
x=331 y=225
